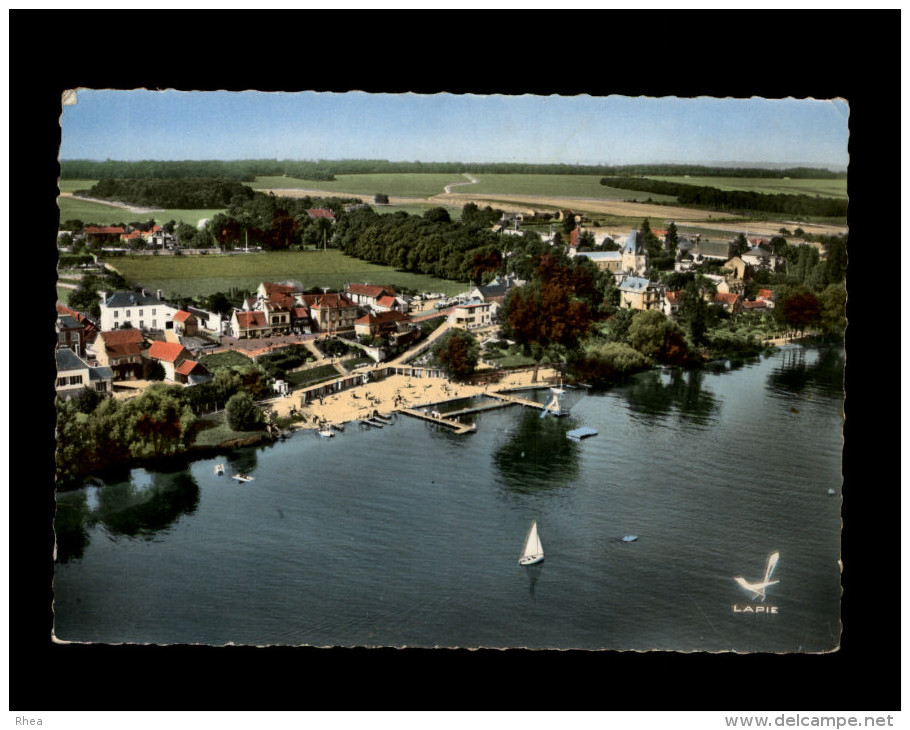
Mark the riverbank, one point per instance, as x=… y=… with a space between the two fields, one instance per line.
x=391 y=393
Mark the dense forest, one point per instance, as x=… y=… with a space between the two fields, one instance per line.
x=248 y=170
x=430 y=244
x=193 y=192
x=734 y=200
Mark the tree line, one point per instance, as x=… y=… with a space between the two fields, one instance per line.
x=704 y=196
x=240 y=170
x=248 y=170
x=810 y=173
x=193 y=192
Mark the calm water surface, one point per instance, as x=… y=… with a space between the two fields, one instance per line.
x=410 y=535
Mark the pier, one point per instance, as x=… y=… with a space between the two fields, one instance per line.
x=440 y=420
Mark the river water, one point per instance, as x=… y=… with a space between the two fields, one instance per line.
x=409 y=535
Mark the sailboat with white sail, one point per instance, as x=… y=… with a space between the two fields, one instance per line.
x=532 y=552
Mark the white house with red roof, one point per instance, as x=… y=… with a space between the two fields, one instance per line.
x=247 y=325
x=331 y=312
x=121 y=351
x=178 y=366
x=185 y=324
x=381 y=324
x=366 y=295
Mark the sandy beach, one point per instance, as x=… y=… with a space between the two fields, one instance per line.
x=394 y=392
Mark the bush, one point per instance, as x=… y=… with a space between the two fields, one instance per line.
x=242 y=413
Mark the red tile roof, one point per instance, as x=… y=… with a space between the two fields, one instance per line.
x=758 y=304
x=765 y=294
x=320 y=213
x=119 y=343
x=167 y=351
x=366 y=290
x=104 y=229
x=725 y=298
x=90 y=329
x=329 y=301
x=182 y=316
x=186 y=367
x=385 y=301
x=280 y=295
x=247 y=320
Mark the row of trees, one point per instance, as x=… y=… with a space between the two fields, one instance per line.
x=704 y=196
x=247 y=170
x=194 y=192
x=811 y=173
x=243 y=170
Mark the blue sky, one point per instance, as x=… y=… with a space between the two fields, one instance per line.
x=613 y=130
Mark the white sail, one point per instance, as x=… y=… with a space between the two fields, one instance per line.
x=533 y=550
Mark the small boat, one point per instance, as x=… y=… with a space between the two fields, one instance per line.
x=383 y=419
x=630 y=538
x=242 y=478
x=326 y=433
x=532 y=552
x=219 y=469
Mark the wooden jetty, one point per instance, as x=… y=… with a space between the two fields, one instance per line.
x=456 y=426
x=520 y=401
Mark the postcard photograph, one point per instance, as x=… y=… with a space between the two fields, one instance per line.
x=450 y=371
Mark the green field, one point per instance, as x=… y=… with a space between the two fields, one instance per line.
x=71 y=186
x=105 y=215
x=767 y=185
x=204 y=275
x=554 y=186
x=405 y=185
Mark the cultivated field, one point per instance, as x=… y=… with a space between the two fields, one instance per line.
x=405 y=185
x=204 y=275
x=767 y=185
x=415 y=193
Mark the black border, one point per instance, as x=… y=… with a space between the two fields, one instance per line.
x=689 y=53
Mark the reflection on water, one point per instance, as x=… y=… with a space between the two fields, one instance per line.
x=660 y=393
x=803 y=370
x=139 y=508
x=537 y=455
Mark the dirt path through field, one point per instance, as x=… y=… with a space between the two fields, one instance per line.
x=658 y=215
x=112 y=203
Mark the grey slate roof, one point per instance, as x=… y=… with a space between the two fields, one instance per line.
x=100 y=373
x=632 y=245
x=69 y=360
x=67 y=321
x=130 y=299
x=634 y=283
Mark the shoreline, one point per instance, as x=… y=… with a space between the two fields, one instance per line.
x=390 y=394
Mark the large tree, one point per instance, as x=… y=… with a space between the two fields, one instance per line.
x=458 y=353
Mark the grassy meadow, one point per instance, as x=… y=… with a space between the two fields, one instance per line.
x=554 y=186
x=204 y=275
x=404 y=185
x=108 y=215
x=767 y=185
